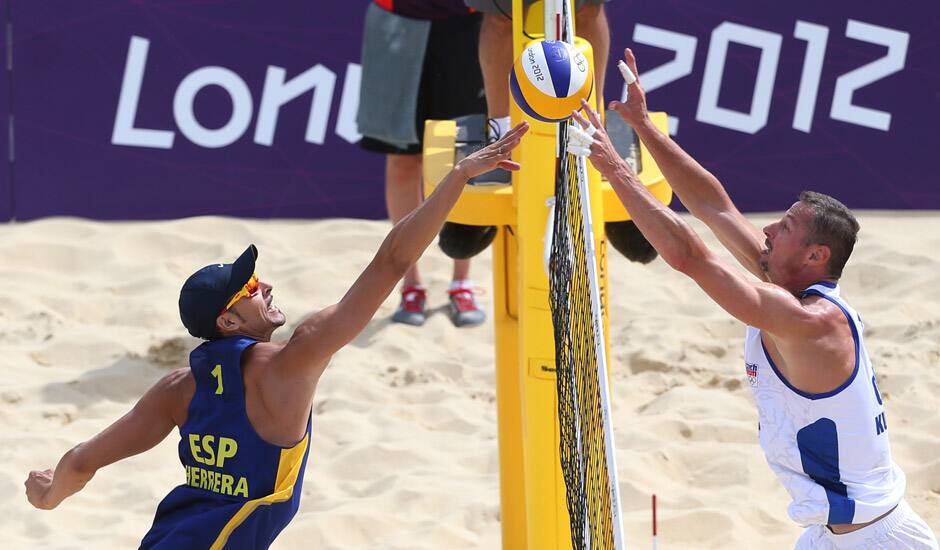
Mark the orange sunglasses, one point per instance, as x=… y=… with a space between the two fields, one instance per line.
x=250 y=289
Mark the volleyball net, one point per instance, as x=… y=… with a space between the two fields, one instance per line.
x=586 y=445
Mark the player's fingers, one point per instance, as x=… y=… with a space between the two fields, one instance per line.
x=592 y=114
x=626 y=73
x=509 y=146
x=517 y=131
x=581 y=151
x=583 y=136
x=581 y=120
x=631 y=63
x=576 y=140
x=501 y=149
x=509 y=165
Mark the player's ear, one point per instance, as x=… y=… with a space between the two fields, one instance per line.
x=226 y=322
x=820 y=253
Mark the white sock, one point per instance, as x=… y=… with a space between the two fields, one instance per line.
x=498 y=127
x=461 y=284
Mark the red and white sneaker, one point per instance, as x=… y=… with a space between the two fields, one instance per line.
x=412 y=310
x=464 y=309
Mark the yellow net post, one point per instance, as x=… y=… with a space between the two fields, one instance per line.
x=534 y=511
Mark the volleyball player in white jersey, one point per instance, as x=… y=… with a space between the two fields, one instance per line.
x=822 y=421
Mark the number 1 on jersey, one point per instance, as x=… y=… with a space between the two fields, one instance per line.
x=217 y=373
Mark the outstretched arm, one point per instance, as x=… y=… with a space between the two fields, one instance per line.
x=319 y=337
x=761 y=305
x=697 y=188
x=147 y=424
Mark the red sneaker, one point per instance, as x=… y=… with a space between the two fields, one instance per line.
x=411 y=310
x=464 y=309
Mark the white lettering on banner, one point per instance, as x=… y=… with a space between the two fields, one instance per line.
x=276 y=93
x=186 y=117
x=892 y=62
x=683 y=44
x=346 y=126
x=124 y=131
x=708 y=109
x=816 y=38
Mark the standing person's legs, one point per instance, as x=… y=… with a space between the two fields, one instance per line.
x=396 y=73
x=592 y=26
x=461 y=270
x=496 y=47
x=402 y=195
x=464 y=309
x=496 y=62
x=456 y=89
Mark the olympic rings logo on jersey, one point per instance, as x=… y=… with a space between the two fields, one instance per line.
x=751 y=369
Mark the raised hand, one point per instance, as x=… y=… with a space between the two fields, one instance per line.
x=494 y=155
x=633 y=111
x=600 y=150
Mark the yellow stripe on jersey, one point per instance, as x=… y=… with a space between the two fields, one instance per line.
x=288 y=467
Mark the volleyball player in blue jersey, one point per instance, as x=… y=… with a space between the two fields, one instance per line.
x=243 y=407
x=822 y=420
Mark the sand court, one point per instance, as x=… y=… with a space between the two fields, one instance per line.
x=404 y=450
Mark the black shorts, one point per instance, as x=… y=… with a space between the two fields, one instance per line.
x=451 y=81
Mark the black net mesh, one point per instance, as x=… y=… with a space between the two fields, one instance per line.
x=580 y=413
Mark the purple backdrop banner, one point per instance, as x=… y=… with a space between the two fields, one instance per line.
x=168 y=108
x=6 y=168
x=160 y=109
x=776 y=97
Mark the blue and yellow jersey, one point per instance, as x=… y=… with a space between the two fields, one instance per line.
x=240 y=490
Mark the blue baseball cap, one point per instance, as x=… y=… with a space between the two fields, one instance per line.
x=205 y=292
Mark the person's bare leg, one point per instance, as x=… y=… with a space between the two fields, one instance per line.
x=403 y=194
x=496 y=58
x=496 y=62
x=591 y=25
x=461 y=270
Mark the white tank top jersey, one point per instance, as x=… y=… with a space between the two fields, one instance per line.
x=830 y=450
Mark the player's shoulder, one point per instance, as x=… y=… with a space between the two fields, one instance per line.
x=823 y=308
x=261 y=354
x=260 y=358
x=807 y=316
x=176 y=381
x=174 y=391
x=824 y=317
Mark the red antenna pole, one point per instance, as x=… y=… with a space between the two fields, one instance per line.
x=654 y=521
